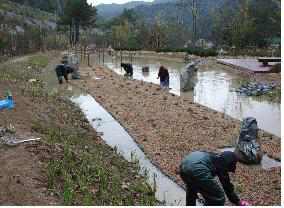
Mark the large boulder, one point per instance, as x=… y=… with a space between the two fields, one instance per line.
x=187 y=78
x=248 y=145
x=75 y=66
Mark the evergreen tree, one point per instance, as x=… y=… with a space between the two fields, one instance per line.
x=77 y=13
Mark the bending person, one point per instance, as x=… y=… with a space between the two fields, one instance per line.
x=63 y=70
x=164 y=76
x=198 y=171
x=127 y=68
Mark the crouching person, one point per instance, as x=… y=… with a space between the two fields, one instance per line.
x=63 y=70
x=127 y=68
x=198 y=171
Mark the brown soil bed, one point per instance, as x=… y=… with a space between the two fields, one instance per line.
x=167 y=128
x=22 y=172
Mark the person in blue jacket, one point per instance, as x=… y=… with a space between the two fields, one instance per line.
x=198 y=171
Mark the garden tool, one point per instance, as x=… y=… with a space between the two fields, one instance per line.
x=13 y=141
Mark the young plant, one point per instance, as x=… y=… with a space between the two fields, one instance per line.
x=69 y=190
x=51 y=173
x=88 y=199
x=163 y=135
x=82 y=180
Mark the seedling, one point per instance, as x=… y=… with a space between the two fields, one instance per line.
x=50 y=173
x=240 y=188
x=82 y=180
x=163 y=135
x=69 y=190
x=88 y=199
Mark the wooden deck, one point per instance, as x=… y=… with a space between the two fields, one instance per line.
x=251 y=65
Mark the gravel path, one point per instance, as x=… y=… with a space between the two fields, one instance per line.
x=168 y=127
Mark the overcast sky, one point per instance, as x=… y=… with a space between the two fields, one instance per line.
x=96 y=2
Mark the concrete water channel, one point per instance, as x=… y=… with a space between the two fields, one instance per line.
x=115 y=135
x=214 y=88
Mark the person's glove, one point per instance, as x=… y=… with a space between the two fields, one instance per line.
x=243 y=203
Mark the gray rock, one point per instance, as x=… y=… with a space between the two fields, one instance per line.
x=255 y=89
x=187 y=79
x=187 y=76
x=75 y=65
x=248 y=145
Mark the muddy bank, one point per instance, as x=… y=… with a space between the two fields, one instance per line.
x=168 y=127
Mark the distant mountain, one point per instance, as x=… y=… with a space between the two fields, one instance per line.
x=169 y=12
x=163 y=1
x=169 y=9
x=109 y=11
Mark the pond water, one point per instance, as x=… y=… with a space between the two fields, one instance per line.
x=214 y=88
x=266 y=161
x=115 y=135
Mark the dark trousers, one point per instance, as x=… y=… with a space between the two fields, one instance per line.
x=59 y=75
x=198 y=178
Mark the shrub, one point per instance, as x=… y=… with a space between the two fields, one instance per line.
x=127 y=49
x=203 y=52
x=276 y=68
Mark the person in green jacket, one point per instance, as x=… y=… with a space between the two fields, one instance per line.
x=198 y=171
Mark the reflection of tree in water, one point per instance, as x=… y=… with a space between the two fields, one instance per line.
x=216 y=84
x=145 y=74
x=245 y=101
x=234 y=104
x=208 y=87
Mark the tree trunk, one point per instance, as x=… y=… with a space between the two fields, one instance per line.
x=70 y=36
x=77 y=34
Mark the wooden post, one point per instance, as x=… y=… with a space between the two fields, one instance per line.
x=120 y=60
x=103 y=55
x=99 y=56
x=84 y=50
x=120 y=56
x=131 y=57
x=81 y=52
x=88 y=59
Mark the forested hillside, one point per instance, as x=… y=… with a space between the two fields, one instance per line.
x=44 y=5
x=153 y=25
x=109 y=11
x=25 y=29
x=242 y=23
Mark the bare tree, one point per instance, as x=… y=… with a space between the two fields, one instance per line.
x=192 y=8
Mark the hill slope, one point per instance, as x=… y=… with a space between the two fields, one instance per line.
x=109 y=11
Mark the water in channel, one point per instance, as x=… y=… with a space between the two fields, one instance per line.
x=214 y=88
x=116 y=136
